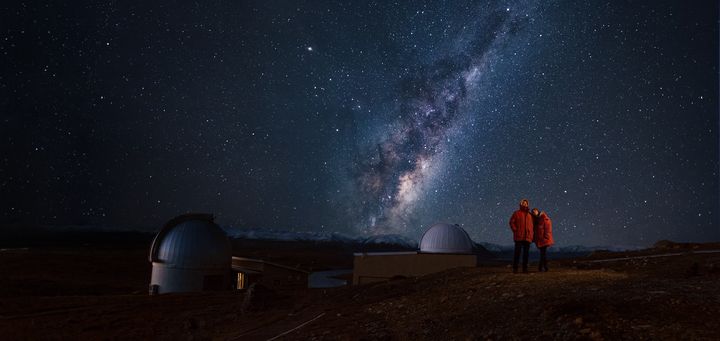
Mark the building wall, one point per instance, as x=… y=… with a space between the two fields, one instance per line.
x=370 y=267
x=170 y=279
x=275 y=277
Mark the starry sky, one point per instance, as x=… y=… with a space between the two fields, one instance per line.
x=364 y=117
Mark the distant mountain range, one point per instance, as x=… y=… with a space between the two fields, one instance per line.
x=394 y=239
x=265 y=234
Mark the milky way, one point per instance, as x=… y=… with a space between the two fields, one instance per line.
x=394 y=176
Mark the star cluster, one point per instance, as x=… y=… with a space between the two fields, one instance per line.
x=364 y=117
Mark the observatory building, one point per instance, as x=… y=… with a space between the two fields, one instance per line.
x=190 y=253
x=443 y=246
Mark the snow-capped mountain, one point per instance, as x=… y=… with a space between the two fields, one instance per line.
x=266 y=234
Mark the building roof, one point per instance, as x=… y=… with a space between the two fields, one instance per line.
x=192 y=241
x=384 y=253
x=243 y=264
x=446 y=238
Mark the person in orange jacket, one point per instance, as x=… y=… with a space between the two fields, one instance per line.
x=521 y=224
x=542 y=236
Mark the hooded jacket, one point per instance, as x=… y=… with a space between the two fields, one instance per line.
x=521 y=224
x=543 y=231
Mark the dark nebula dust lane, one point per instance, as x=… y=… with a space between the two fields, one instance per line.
x=364 y=118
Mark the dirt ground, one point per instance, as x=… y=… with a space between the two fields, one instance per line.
x=101 y=293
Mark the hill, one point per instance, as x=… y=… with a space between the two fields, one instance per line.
x=93 y=292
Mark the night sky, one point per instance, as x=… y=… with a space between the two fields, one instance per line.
x=364 y=117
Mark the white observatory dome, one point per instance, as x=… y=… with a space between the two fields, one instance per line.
x=190 y=253
x=446 y=238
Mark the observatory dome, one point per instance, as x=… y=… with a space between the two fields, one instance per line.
x=190 y=253
x=446 y=238
x=192 y=241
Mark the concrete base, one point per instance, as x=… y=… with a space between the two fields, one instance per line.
x=170 y=279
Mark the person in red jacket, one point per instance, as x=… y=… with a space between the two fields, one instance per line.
x=521 y=224
x=542 y=236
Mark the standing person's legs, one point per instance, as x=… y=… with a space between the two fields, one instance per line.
x=526 y=249
x=516 y=256
x=543 y=259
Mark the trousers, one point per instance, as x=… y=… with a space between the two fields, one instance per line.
x=525 y=248
x=542 y=266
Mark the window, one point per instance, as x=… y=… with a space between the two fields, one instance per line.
x=241 y=281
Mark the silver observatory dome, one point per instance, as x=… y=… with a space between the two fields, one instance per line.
x=446 y=238
x=190 y=253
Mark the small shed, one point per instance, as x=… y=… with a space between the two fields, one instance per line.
x=269 y=274
x=190 y=253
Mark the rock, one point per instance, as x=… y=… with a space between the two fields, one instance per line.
x=664 y=244
x=694 y=270
x=713 y=268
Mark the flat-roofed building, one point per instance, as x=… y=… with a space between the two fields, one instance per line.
x=442 y=247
